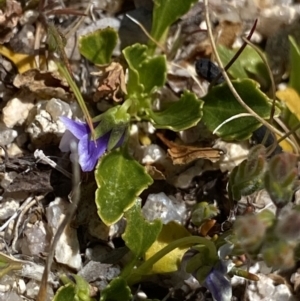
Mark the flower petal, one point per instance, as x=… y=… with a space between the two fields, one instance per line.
x=218 y=285
x=78 y=129
x=65 y=141
x=89 y=153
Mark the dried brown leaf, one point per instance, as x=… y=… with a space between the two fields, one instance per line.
x=43 y=84
x=184 y=154
x=111 y=82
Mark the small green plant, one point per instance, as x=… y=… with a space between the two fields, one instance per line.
x=121 y=179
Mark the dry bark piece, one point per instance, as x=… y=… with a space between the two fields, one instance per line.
x=184 y=154
x=45 y=85
x=111 y=82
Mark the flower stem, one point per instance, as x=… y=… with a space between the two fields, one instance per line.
x=145 y=267
x=64 y=71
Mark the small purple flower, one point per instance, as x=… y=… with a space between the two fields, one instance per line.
x=218 y=284
x=89 y=152
x=217 y=281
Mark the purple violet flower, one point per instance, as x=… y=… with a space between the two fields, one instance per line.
x=89 y=152
x=217 y=281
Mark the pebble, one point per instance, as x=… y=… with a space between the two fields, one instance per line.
x=163 y=207
x=43 y=124
x=16 y=110
x=8 y=208
x=99 y=273
x=266 y=290
x=32 y=289
x=7 y=135
x=234 y=154
x=67 y=250
x=35 y=240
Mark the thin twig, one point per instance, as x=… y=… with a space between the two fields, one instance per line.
x=18 y=222
x=25 y=203
x=230 y=119
x=227 y=79
x=237 y=54
x=259 y=52
x=146 y=33
x=42 y=295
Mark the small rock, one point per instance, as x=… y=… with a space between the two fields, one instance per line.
x=29 y=17
x=8 y=208
x=67 y=250
x=16 y=110
x=21 y=286
x=100 y=274
x=56 y=108
x=11 y=296
x=32 y=289
x=234 y=154
x=163 y=207
x=153 y=153
x=7 y=135
x=185 y=178
x=35 y=239
x=43 y=125
x=7 y=179
x=266 y=290
x=14 y=150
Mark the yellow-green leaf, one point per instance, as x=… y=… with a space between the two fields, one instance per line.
x=170 y=232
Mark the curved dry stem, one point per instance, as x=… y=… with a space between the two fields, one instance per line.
x=146 y=33
x=292 y=140
x=230 y=119
x=42 y=295
x=271 y=128
x=262 y=56
x=237 y=54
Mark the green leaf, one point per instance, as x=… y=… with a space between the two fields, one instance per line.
x=202 y=212
x=236 y=70
x=98 y=46
x=295 y=63
x=120 y=179
x=169 y=263
x=280 y=178
x=180 y=115
x=139 y=234
x=278 y=254
x=8 y=264
x=146 y=73
x=65 y=293
x=116 y=290
x=165 y=13
x=248 y=176
x=220 y=104
x=248 y=61
x=71 y=291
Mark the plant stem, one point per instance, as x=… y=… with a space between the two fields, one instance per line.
x=145 y=267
